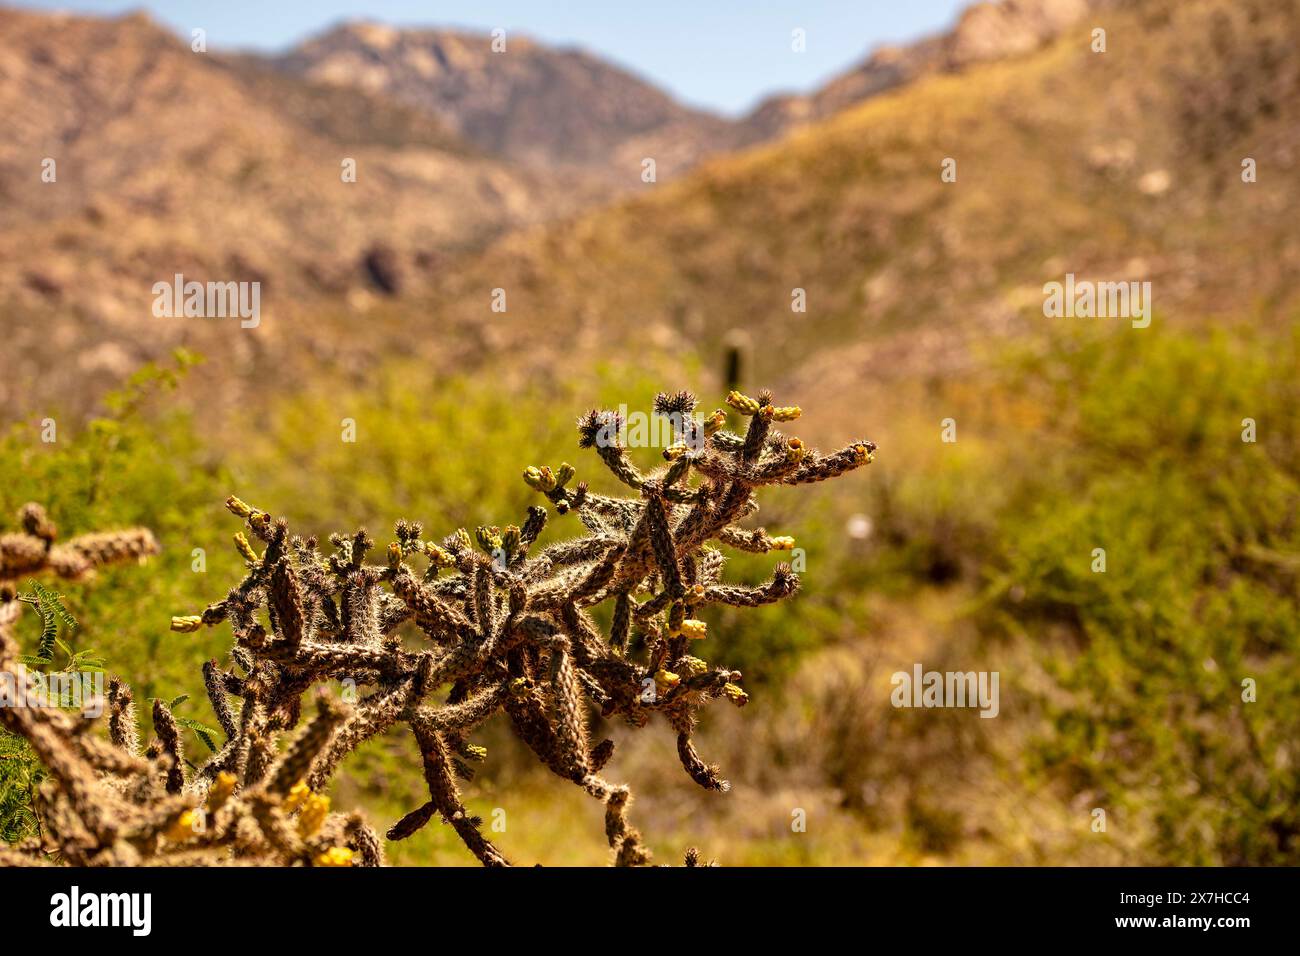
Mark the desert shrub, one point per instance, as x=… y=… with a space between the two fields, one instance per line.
x=1123 y=690
x=1201 y=532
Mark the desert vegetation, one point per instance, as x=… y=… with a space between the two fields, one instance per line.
x=512 y=633
x=1104 y=515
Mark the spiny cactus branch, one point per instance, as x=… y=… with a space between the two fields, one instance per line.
x=507 y=630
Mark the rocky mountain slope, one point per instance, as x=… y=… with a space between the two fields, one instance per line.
x=1125 y=165
x=168 y=161
x=530 y=103
x=551 y=107
x=984 y=32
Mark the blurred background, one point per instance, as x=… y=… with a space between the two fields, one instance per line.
x=798 y=161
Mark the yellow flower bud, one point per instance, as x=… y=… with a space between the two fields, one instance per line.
x=666 y=680
x=564 y=474
x=742 y=403
x=787 y=414
x=187 y=623
x=394 y=555
x=298 y=795
x=334 y=856
x=314 y=812
x=244 y=548
x=782 y=543
x=713 y=424
x=694 y=630
x=182 y=828
x=736 y=694
x=238 y=508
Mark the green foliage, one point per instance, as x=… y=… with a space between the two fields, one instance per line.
x=1201 y=533
x=1133 y=443
x=49 y=606
x=20 y=774
x=139 y=464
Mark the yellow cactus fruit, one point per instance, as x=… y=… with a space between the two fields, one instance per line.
x=675 y=451
x=439 y=555
x=238 y=508
x=220 y=791
x=692 y=666
x=489 y=539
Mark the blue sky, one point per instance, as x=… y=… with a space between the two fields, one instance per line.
x=720 y=54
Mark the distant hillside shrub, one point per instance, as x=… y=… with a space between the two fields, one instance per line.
x=1178 y=668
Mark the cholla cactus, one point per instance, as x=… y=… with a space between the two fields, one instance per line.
x=33 y=551
x=508 y=629
x=112 y=803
